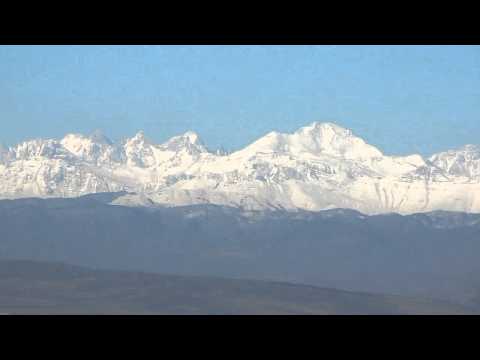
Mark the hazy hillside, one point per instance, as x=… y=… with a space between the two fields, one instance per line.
x=433 y=255
x=53 y=288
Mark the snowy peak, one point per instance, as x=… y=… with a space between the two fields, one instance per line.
x=141 y=152
x=468 y=152
x=326 y=128
x=38 y=148
x=464 y=161
x=96 y=148
x=138 y=139
x=331 y=139
x=76 y=143
x=324 y=135
x=138 y=151
x=273 y=142
x=192 y=137
x=319 y=166
x=317 y=139
x=189 y=142
x=98 y=137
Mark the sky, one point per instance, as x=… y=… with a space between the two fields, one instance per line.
x=402 y=99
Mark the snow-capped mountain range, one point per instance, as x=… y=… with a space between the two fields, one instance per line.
x=320 y=166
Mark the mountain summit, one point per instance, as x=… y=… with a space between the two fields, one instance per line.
x=319 y=166
x=317 y=139
x=463 y=162
x=190 y=142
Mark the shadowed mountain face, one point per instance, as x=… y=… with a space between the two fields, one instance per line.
x=433 y=255
x=53 y=288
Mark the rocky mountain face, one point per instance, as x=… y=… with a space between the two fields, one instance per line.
x=320 y=166
x=464 y=162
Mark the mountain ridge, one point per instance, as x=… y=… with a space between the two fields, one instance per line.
x=317 y=167
x=426 y=254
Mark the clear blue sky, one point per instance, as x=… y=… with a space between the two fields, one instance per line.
x=403 y=99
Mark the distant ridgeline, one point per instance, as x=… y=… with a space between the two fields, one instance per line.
x=429 y=254
x=30 y=287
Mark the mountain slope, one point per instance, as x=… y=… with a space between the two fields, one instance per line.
x=318 y=167
x=54 y=288
x=428 y=254
x=463 y=162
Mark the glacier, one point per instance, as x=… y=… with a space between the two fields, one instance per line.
x=318 y=167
